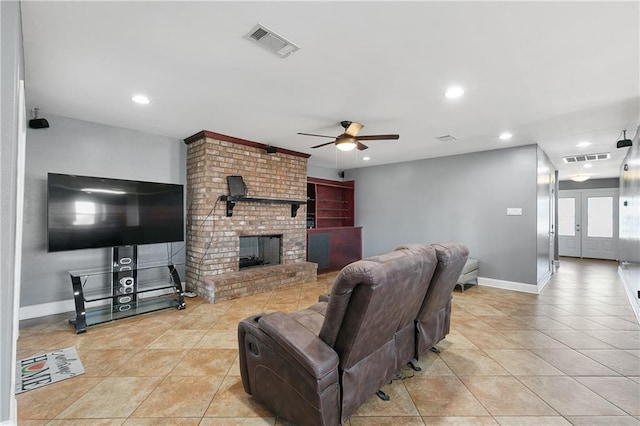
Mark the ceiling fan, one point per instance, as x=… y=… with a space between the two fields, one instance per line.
x=349 y=139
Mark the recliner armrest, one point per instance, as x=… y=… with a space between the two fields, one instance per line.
x=307 y=348
x=288 y=368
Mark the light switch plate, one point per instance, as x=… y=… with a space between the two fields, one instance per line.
x=514 y=211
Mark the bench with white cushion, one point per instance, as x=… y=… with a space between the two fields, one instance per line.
x=469 y=273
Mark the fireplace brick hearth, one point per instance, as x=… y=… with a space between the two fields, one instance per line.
x=213 y=239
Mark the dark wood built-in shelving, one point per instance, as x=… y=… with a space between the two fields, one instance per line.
x=330 y=203
x=332 y=239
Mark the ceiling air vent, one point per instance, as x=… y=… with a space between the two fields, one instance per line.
x=271 y=41
x=586 y=157
x=447 y=138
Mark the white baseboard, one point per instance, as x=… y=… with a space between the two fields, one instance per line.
x=14 y=409
x=44 y=309
x=13 y=417
x=544 y=281
x=631 y=294
x=508 y=285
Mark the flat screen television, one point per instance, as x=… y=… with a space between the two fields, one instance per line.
x=92 y=212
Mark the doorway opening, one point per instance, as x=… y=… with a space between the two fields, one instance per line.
x=588 y=223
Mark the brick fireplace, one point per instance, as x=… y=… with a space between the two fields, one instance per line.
x=213 y=239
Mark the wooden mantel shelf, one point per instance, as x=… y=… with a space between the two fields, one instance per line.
x=231 y=203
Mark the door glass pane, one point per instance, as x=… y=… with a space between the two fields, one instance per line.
x=600 y=217
x=567 y=217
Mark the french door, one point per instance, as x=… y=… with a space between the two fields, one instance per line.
x=588 y=223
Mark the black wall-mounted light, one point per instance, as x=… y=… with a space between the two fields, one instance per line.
x=272 y=149
x=37 y=123
x=624 y=142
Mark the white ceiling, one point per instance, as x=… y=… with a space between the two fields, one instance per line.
x=552 y=73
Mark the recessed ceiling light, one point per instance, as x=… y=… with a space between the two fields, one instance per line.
x=579 y=178
x=505 y=136
x=588 y=166
x=583 y=144
x=366 y=158
x=140 y=99
x=454 y=92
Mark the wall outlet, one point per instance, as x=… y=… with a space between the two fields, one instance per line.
x=514 y=211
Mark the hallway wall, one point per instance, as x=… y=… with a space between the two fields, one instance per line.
x=12 y=72
x=462 y=198
x=630 y=222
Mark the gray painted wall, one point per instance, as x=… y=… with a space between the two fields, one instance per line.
x=461 y=198
x=629 y=243
x=84 y=148
x=323 y=172
x=546 y=182
x=566 y=185
x=12 y=71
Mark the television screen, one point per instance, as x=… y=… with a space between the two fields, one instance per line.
x=92 y=212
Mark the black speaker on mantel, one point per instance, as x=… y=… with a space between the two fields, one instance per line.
x=124 y=278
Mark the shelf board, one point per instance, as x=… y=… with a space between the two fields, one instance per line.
x=142 y=306
x=108 y=269
x=334 y=201
x=106 y=292
x=231 y=202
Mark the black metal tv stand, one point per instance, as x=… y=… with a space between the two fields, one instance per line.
x=123 y=289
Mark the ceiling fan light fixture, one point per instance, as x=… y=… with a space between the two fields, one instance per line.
x=346 y=143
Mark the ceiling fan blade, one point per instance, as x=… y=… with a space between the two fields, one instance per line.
x=324 y=144
x=321 y=136
x=377 y=137
x=361 y=146
x=353 y=129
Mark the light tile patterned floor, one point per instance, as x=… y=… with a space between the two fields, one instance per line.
x=570 y=355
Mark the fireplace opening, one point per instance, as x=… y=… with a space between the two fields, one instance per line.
x=260 y=250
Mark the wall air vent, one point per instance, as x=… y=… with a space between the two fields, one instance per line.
x=586 y=157
x=447 y=138
x=271 y=41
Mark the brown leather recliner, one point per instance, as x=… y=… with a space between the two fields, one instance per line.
x=433 y=322
x=318 y=365
x=406 y=334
